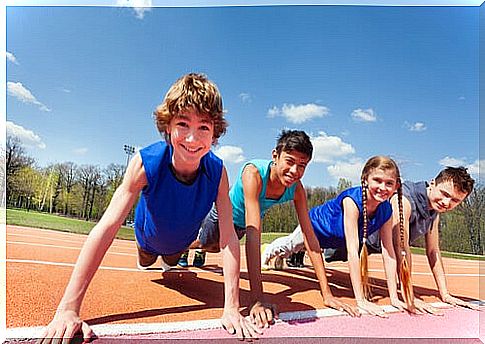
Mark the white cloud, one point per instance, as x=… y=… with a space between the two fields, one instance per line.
x=80 y=151
x=17 y=90
x=418 y=126
x=477 y=168
x=26 y=136
x=232 y=154
x=360 y=115
x=245 y=97
x=299 y=113
x=350 y=170
x=453 y=162
x=327 y=148
x=139 y=6
x=11 y=57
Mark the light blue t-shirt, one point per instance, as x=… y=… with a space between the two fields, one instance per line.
x=237 y=194
x=169 y=213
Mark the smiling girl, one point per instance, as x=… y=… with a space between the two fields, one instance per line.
x=346 y=221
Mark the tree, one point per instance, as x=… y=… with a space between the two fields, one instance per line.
x=67 y=176
x=15 y=160
x=473 y=211
x=343 y=184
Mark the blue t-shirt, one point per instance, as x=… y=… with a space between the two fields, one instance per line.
x=237 y=193
x=328 y=218
x=169 y=213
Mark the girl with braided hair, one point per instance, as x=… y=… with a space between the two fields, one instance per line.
x=346 y=221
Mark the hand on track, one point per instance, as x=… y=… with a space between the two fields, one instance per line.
x=64 y=327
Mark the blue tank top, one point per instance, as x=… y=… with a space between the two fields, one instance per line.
x=237 y=193
x=328 y=219
x=169 y=213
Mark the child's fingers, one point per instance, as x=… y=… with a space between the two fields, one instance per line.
x=229 y=329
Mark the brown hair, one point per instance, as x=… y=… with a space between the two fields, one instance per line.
x=298 y=140
x=382 y=163
x=460 y=177
x=192 y=91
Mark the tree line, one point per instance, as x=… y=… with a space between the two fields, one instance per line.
x=84 y=191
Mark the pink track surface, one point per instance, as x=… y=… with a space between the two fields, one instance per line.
x=398 y=325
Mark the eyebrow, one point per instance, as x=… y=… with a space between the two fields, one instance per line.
x=186 y=118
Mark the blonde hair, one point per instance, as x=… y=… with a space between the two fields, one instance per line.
x=192 y=92
x=382 y=163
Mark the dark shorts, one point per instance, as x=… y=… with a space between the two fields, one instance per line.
x=209 y=230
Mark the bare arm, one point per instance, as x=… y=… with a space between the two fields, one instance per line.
x=66 y=321
x=433 y=253
x=389 y=260
x=351 y=229
x=391 y=251
x=232 y=320
x=314 y=252
x=260 y=312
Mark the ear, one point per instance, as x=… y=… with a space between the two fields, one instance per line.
x=432 y=183
x=274 y=155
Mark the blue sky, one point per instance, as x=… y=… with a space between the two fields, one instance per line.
x=360 y=80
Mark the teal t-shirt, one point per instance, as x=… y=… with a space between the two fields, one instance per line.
x=237 y=194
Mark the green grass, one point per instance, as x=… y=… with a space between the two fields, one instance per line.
x=59 y=223
x=419 y=250
x=65 y=224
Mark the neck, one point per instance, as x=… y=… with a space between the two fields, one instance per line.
x=274 y=185
x=185 y=172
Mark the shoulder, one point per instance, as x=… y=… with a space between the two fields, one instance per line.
x=213 y=165
x=406 y=205
x=250 y=172
x=350 y=207
x=154 y=149
x=135 y=176
x=300 y=192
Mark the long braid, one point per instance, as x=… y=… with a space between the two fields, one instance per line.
x=404 y=270
x=364 y=267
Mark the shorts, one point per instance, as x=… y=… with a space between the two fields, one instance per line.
x=209 y=230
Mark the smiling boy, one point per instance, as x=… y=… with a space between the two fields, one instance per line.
x=178 y=180
x=260 y=185
x=422 y=205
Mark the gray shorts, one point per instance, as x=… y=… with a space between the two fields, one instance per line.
x=209 y=230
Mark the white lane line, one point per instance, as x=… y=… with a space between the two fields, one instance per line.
x=346 y=270
x=194 y=325
x=27 y=261
x=81 y=241
x=114 y=268
x=66 y=247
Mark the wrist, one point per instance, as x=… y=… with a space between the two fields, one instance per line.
x=444 y=295
x=233 y=307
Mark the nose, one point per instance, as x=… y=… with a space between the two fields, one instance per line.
x=190 y=137
x=294 y=169
x=446 y=201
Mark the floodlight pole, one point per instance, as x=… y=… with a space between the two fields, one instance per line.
x=129 y=150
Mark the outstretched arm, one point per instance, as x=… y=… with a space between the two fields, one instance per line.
x=260 y=311
x=66 y=321
x=314 y=252
x=390 y=262
x=232 y=320
x=351 y=229
x=433 y=253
